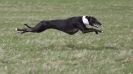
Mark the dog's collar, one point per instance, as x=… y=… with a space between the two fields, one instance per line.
x=85 y=20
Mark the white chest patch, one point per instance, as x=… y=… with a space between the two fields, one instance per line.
x=85 y=21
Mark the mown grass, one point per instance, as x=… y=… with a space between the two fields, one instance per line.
x=54 y=52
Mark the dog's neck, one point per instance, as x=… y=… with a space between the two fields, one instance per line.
x=85 y=20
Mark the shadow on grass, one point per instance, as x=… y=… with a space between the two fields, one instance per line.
x=78 y=47
x=81 y=47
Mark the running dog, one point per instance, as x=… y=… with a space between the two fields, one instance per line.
x=70 y=25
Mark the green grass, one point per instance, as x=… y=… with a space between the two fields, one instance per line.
x=54 y=52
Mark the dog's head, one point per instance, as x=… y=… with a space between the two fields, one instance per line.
x=92 y=21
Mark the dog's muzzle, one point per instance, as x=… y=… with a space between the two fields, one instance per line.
x=98 y=26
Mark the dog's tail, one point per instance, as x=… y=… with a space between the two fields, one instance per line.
x=27 y=26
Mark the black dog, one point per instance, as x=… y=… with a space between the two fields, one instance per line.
x=69 y=26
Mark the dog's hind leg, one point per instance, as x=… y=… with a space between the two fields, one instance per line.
x=37 y=29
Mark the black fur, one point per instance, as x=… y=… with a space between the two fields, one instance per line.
x=69 y=26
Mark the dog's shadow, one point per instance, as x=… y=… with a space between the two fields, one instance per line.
x=83 y=47
x=90 y=47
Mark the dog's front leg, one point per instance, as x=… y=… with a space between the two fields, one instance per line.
x=87 y=30
x=83 y=28
x=94 y=30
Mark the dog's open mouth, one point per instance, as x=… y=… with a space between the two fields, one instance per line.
x=95 y=26
x=98 y=27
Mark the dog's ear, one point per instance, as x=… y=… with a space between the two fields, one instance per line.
x=89 y=18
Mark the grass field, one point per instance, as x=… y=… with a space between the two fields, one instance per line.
x=54 y=52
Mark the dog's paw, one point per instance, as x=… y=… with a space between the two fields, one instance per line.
x=98 y=31
x=16 y=29
x=19 y=31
